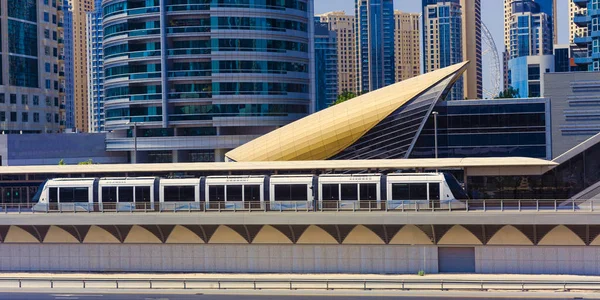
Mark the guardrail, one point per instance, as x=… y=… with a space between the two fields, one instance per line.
x=297 y=284
x=500 y=205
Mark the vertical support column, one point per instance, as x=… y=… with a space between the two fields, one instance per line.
x=163 y=62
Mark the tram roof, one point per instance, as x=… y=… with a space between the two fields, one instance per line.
x=519 y=165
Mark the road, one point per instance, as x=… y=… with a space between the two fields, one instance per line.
x=291 y=295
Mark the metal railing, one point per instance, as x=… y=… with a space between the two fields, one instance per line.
x=486 y=205
x=298 y=284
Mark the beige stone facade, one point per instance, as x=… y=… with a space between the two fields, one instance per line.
x=79 y=8
x=471 y=28
x=343 y=25
x=407 y=45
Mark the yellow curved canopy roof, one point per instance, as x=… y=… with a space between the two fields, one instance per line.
x=324 y=134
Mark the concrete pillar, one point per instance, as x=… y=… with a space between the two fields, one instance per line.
x=220 y=155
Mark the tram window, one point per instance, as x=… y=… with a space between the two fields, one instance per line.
x=350 y=191
x=291 y=192
x=66 y=195
x=418 y=191
x=368 y=191
x=330 y=192
x=109 y=194
x=251 y=192
x=434 y=191
x=142 y=194
x=125 y=194
x=180 y=193
x=234 y=193
x=298 y=192
x=53 y=195
x=216 y=193
x=81 y=194
x=400 y=191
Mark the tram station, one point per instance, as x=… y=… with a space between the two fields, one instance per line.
x=355 y=164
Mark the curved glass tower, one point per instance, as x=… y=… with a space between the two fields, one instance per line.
x=187 y=80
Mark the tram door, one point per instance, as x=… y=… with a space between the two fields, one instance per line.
x=434 y=195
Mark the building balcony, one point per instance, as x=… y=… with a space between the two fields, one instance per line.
x=582 y=20
x=580 y=3
x=582 y=41
x=583 y=60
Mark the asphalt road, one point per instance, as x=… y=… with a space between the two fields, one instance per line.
x=309 y=296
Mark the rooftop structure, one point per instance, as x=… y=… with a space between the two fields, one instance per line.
x=365 y=127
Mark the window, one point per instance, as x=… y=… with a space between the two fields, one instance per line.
x=13 y=99
x=291 y=192
x=48 y=84
x=24 y=117
x=125 y=194
x=330 y=192
x=142 y=194
x=434 y=191
x=2 y=116
x=13 y=116
x=56 y=118
x=368 y=191
x=234 y=193
x=46 y=17
x=406 y=191
x=47 y=67
x=36 y=100
x=36 y=117
x=47 y=33
x=24 y=100
x=48 y=101
x=349 y=191
x=49 y=119
x=179 y=194
x=109 y=193
x=53 y=195
x=216 y=193
x=2 y=99
x=252 y=192
x=533 y=72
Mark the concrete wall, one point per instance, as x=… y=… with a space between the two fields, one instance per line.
x=575 y=108
x=218 y=258
x=389 y=259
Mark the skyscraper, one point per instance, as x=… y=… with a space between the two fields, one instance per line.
x=66 y=76
x=574 y=29
x=546 y=6
x=591 y=39
x=375 y=42
x=344 y=27
x=95 y=71
x=530 y=30
x=187 y=83
x=29 y=66
x=326 y=63
x=79 y=8
x=471 y=46
x=407 y=45
x=443 y=38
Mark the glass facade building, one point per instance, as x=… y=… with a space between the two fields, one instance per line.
x=442 y=38
x=591 y=40
x=375 y=43
x=531 y=30
x=67 y=82
x=95 y=71
x=197 y=78
x=526 y=74
x=488 y=128
x=326 y=66
x=31 y=59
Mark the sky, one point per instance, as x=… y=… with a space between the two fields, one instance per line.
x=492 y=15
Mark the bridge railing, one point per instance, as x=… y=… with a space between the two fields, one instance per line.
x=483 y=205
x=297 y=284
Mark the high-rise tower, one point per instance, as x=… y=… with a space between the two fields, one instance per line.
x=95 y=71
x=589 y=40
x=30 y=66
x=375 y=43
x=79 y=8
x=343 y=25
x=471 y=47
x=443 y=38
x=407 y=45
x=326 y=64
x=187 y=82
